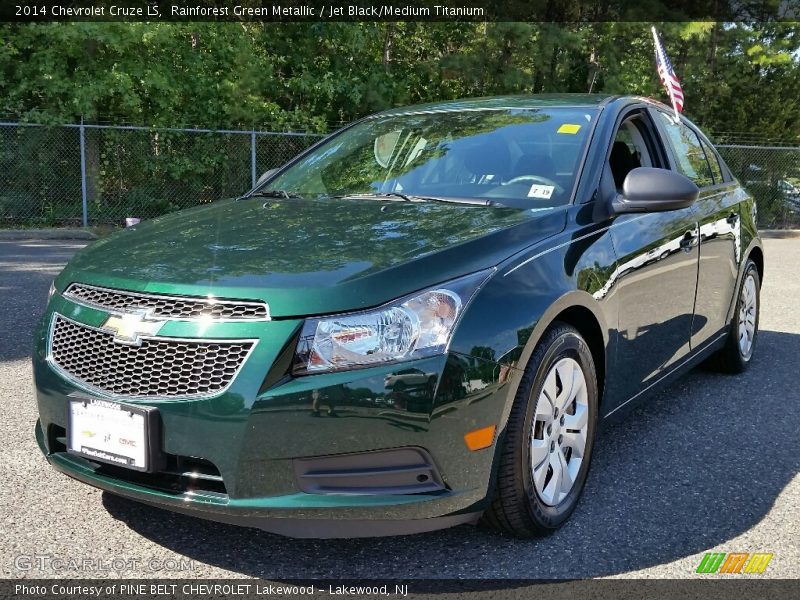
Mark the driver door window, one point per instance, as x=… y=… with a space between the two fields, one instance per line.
x=629 y=151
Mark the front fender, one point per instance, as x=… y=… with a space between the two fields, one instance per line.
x=511 y=312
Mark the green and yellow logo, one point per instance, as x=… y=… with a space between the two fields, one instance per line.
x=734 y=562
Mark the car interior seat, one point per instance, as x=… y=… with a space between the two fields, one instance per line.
x=622 y=161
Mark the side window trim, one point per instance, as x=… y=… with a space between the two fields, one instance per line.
x=705 y=146
x=727 y=177
x=716 y=174
x=705 y=155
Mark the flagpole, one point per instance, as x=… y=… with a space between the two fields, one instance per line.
x=669 y=87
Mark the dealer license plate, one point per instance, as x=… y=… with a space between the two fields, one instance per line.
x=109 y=432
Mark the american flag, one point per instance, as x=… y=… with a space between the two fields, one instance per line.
x=667 y=75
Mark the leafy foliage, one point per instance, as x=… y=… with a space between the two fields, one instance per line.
x=314 y=76
x=740 y=82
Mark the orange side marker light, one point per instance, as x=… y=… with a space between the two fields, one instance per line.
x=480 y=438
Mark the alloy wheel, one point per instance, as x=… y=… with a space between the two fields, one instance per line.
x=560 y=426
x=748 y=307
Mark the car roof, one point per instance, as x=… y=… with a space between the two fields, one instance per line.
x=518 y=102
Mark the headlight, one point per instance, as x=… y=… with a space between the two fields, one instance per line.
x=411 y=327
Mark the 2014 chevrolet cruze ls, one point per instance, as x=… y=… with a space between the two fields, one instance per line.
x=418 y=321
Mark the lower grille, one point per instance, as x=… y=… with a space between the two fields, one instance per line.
x=159 y=367
x=180 y=475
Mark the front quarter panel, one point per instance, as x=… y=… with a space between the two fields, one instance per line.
x=568 y=272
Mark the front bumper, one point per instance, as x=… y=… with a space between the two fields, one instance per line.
x=250 y=439
x=297 y=515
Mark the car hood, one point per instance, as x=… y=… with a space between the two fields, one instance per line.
x=306 y=257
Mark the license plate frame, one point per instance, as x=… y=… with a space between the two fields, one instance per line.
x=146 y=431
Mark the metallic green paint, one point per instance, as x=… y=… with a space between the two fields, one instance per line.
x=611 y=277
x=253 y=444
x=307 y=257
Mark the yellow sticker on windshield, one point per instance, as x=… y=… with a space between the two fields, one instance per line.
x=569 y=128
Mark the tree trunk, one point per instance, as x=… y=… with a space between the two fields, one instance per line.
x=553 y=64
x=388 y=44
x=92 y=149
x=712 y=52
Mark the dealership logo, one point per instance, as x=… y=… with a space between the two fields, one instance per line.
x=734 y=562
x=129 y=328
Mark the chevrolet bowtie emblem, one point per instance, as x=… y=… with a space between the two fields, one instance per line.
x=130 y=327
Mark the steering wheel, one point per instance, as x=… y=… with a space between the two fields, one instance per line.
x=535 y=179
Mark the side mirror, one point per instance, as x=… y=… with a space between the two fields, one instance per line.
x=266 y=175
x=654 y=190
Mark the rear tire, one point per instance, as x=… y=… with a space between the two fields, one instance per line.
x=735 y=356
x=547 y=450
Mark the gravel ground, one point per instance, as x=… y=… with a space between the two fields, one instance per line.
x=709 y=464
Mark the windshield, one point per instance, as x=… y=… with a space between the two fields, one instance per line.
x=523 y=158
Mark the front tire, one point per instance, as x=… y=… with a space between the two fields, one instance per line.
x=544 y=461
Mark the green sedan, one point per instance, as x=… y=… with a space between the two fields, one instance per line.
x=420 y=322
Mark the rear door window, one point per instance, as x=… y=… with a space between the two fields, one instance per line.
x=713 y=162
x=687 y=150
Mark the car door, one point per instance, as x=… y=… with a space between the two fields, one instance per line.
x=656 y=269
x=717 y=213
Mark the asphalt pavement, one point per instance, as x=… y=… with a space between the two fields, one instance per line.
x=709 y=464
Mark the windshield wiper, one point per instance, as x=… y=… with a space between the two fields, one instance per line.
x=416 y=198
x=467 y=201
x=378 y=195
x=271 y=194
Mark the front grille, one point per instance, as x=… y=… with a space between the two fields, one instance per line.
x=158 y=367
x=168 y=307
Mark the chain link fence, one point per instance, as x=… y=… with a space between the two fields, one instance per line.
x=772 y=175
x=97 y=174
x=79 y=175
